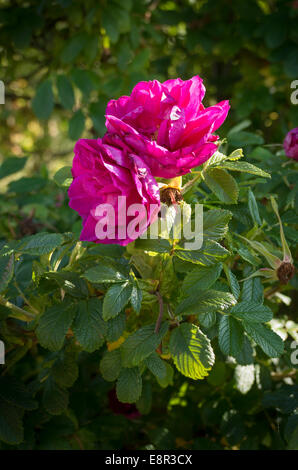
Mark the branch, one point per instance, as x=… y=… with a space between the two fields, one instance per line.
x=158 y=321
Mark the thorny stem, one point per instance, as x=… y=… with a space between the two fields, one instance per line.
x=159 y=318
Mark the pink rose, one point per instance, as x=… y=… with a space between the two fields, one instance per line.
x=291 y=144
x=107 y=183
x=166 y=124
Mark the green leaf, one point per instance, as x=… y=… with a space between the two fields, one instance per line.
x=157 y=366
x=144 y=403
x=110 y=365
x=27 y=185
x=116 y=298
x=141 y=344
x=55 y=398
x=207 y=319
x=12 y=165
x=233 y=282
x=65 y=369
x=39 y=244
x=245 y=356
x=252 y=312
x=203 y=301
x=63 y=177
x=245 y=167
x=231 y=335
x=136 y=298
x=201 y=277
x=208 y=255
x=65 y=91
x=253 y=208
x=216 y=224
x=269 y=342
x=72 y=48
x=252 y=291
x=6 y=271
x=115 y=327
x=89 y=327
x=191 y=351
x=159 y=245
x=53 y=326
x=105 y=272
x=11 y=427
x=43 y=101
x=76 y=125
x=129 y=385
x=222 y=184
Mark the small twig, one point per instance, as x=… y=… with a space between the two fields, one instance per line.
x=19 y=310
x=25 y=298
x=159 y=318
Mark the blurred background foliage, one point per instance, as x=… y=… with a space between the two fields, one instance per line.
x=61 y=61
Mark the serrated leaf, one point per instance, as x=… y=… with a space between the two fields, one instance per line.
x=89 y=327
x=216 y=224
x=53 y=326
x=203 y=301
x=6 y=271
x=269 y=342
x=63 y=177
x=141 y=344
x=222 y=184
x=245 y=356
x=233 y=282
x=252 y=291
x=253 y=208
x=106 y=272
x=207 y=319
x=210 y=253
x=116 y=298
x=246 y=168
x=191 y=351
x=252 y=312
x=231 y=335
x=129 y=385
x=40 y=244
x=201 y=277
x=136 y=298
x=157 y=366
x=110 y=365
x=115 y=327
